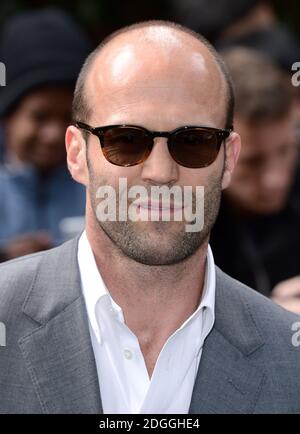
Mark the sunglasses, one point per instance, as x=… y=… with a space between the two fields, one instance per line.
x=129 y=145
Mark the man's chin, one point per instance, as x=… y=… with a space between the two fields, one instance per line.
x=156 y=256
x=158 y=247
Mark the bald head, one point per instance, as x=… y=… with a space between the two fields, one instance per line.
x=149 y=57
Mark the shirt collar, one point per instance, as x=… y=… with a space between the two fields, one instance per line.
x=94 y=289
x=92 y=284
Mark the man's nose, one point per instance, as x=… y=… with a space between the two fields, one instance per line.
x=160 y=167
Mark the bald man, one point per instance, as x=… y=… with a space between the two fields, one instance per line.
x=133 y=316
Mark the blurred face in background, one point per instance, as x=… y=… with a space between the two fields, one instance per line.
x=35 y=130
x=266 y=167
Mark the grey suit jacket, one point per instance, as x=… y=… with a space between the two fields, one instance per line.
x=248 y=364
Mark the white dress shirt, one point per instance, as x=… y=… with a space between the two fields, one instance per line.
x=124 y=382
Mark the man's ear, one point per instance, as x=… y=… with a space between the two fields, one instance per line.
x=76 y=155
x=232 y=151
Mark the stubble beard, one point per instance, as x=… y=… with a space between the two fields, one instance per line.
x=158 y=243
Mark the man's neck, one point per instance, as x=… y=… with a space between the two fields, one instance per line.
x=155 y=300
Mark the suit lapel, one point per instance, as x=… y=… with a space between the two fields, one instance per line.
x=58 y=352
x=228 y=379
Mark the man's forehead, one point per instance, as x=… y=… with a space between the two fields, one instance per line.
x=154 y=49
x=155 y=65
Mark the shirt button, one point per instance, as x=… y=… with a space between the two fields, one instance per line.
x=128 y=354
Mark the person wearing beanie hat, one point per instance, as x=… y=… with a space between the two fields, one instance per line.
x=39 y=48
x=43 y=51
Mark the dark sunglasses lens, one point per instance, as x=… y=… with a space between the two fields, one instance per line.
x=126 y=146
x=195 y=147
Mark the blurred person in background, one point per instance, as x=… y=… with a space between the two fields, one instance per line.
x=259 y=28
x=255 y=24
x=247 y=23
x=43 y=51
x=260 y=217
x=212 y=17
